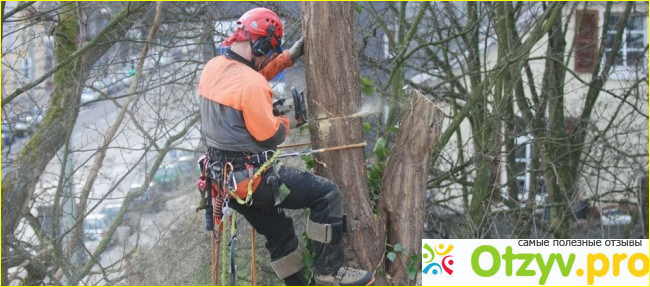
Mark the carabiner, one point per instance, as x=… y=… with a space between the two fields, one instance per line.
x=228 y=172
x=232 y=183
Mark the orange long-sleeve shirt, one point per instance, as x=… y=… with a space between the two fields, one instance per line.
x=236 y=105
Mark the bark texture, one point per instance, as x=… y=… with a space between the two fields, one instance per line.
x=334 y=94
x=405 y=181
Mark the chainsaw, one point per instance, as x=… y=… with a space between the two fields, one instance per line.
x=299 y=106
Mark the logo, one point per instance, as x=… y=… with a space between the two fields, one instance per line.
x=535 y=262
x=429 y=256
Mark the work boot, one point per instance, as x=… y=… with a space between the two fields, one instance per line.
x=345 y=277
x=328 y=256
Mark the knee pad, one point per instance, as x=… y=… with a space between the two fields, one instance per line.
x=326 y=232
x=289 y=264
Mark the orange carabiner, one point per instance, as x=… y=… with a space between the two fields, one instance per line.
x=227 y=166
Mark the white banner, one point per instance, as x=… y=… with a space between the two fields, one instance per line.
x=535 y=262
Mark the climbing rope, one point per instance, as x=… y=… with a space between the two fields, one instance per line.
x=224 y=258
x=253 y=258
x=217 y=233
x=233 y=247
x=320 y=150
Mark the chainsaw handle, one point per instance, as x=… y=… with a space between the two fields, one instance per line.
x=279 y=102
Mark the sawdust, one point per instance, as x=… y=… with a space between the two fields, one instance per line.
x=368 y=108
x=324 y=127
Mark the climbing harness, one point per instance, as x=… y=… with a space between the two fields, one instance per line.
x=253 y=178
x=252 y=182
x=218 y=184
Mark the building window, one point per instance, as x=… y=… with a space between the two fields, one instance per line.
x=632 y=51
x=631 y=56
x=523 y=159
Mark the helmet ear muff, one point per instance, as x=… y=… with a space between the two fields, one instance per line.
x=263 y=46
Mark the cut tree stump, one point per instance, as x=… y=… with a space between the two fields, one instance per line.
x=404 y=182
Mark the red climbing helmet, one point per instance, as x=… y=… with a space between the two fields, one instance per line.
x=264 y=28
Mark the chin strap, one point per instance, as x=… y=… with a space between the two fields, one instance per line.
x=234 y=56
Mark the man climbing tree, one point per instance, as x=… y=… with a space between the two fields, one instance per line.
x=243 y=132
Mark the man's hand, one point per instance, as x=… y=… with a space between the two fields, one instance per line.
x=285 y=107
x=282 y=106
x=296 y=50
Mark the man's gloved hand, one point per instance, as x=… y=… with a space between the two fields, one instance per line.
x=283 y=106
x=296 y=50
x=286 y=107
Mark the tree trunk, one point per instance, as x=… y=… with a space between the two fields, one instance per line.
x=404 y=184
x=558 y=150
x=19 y=183
x=334 y=94
x=643 y=199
